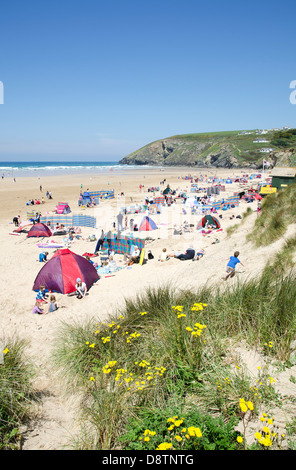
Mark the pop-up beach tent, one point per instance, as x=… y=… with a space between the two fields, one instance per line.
x=147 y=224
x=59 y=274
x=211 y=221
x=63 y=208
x=39 y=230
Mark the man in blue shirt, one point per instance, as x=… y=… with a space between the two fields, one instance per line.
x=230 y=268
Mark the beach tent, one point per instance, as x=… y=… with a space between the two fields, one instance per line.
x=39 y=230
x=147 y=224
x=211 y=221
x=59 y=274
x=63 y=208
x=228 y=181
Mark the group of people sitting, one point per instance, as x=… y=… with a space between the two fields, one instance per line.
x=45 y=303
x=32 y=202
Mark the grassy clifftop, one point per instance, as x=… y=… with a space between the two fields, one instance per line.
x=227 y=149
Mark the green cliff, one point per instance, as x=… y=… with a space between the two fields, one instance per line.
x=232 y=149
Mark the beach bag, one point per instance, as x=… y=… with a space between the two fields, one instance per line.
x=150 y=255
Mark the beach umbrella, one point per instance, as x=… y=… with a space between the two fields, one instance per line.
x=39 y=230
x=59 y=274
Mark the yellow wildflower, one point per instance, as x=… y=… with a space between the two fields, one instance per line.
x=192 y=431
x=165 y=446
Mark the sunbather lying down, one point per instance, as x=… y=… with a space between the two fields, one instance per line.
x=199 y=254
x=188 y=254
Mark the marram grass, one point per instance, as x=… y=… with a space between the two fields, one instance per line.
x=17 y=394
x=168 y=348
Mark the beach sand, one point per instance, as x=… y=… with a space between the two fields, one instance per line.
x=19 y=266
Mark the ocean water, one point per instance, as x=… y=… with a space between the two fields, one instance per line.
x=15 y=169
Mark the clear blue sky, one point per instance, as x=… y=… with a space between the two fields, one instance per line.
x=96 y=80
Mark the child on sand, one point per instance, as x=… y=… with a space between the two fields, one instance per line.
x=230 y=268
x=53 y=305
x=41 y=295
x=37 y=309
x=164 y=256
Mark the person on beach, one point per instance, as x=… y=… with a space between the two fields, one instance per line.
x=41 y=295
x=199 y=255
x=37 y=309
x=119 y=222
x=100 y=242
x=53 y=305
x=43 y=257
x=16 y=220
x=189 y=254
x=134 y=257
x=230 y=268
x=81 y=289
x=164 y=256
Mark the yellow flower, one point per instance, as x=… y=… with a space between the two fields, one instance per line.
x=5 y=351
x=178 y=422
x=266 y=441
x=105 y=339
x=192 y=431
x=250 y=405
x=243 y=406
x=147 y=438
x=239 y=439
x=178 y=438
x=165 y=446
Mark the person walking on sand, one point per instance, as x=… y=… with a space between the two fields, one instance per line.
x=230 y=268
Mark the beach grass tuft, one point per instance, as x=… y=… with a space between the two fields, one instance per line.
x=17 y=395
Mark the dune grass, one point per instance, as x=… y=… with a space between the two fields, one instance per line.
x=278 y=211
x=168 y=350
x=16 y=393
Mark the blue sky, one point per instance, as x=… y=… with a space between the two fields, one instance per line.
x=96 y=80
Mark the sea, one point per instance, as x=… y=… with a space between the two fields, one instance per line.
x=21 y=169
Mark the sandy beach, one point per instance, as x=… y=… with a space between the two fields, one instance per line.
x=20 y=266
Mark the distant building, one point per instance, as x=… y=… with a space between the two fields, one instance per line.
x=262 y=131
x=266 y=150
x=260 y=140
